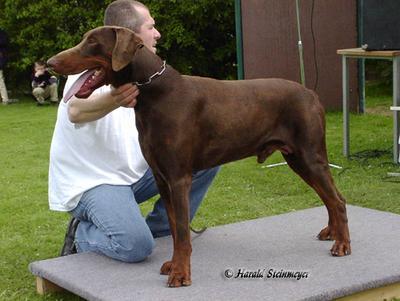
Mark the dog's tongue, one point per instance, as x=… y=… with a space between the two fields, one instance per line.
x=78 y=84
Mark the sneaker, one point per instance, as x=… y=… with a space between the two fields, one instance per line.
x=69 y=240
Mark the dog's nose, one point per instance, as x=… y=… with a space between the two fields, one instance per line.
x=53 y=65
x=51 y=62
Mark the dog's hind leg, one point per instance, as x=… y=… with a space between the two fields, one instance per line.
x=313 y=168
x=328 y=233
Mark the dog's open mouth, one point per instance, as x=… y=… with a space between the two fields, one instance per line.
x=87 y=82
x=93 y=79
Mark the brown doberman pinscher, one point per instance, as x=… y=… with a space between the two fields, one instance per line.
x=189 y=123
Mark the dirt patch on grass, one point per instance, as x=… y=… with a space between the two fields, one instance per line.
x=379 y=110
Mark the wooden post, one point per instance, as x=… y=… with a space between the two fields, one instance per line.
x=380 y=293
x=44 y=286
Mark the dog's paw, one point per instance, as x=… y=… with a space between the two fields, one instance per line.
x=166 y=268
x=177 y=279
x=326 y=234
x=341 y=248
x=179 y=275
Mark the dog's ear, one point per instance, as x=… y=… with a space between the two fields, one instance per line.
x=126 y=44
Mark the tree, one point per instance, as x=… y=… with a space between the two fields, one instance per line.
x=197 y=36
x=39 y=29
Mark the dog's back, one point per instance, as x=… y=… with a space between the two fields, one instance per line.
x=237 y=119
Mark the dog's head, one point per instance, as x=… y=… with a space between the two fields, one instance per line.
x=103 y=52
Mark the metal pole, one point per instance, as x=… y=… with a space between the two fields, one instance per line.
x=239 y=39
x=396 y=102
x=346 y=106
x=361 y=62
x=300 y=45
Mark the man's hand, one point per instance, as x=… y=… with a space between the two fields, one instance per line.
x=125 y=95
x=97 y=106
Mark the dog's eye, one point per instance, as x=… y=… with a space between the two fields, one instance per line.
x=91 y=41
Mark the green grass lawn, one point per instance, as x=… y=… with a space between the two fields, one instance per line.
x=243 y=190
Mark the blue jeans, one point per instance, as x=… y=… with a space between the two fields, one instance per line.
x=111 y=222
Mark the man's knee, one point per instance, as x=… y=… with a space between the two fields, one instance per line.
x=38 y=92
x=135 y=247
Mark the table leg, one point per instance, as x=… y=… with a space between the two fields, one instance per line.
x=396 y=102
x=361 y=85
x=346 y=100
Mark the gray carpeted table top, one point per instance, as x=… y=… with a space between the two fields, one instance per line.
x=260 y=247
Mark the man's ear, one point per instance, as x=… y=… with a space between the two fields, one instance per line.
x=126 y=44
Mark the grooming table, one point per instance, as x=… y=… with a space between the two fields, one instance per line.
x=278 y=244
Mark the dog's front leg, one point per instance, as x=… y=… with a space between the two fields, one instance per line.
x=165 y=193
x=177 y=207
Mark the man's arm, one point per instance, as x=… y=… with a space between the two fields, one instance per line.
x=97 y=106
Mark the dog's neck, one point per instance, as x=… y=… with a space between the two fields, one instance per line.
x=146 y=67
x=143 y=65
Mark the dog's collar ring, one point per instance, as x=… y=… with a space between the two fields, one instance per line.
x=153 y=76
